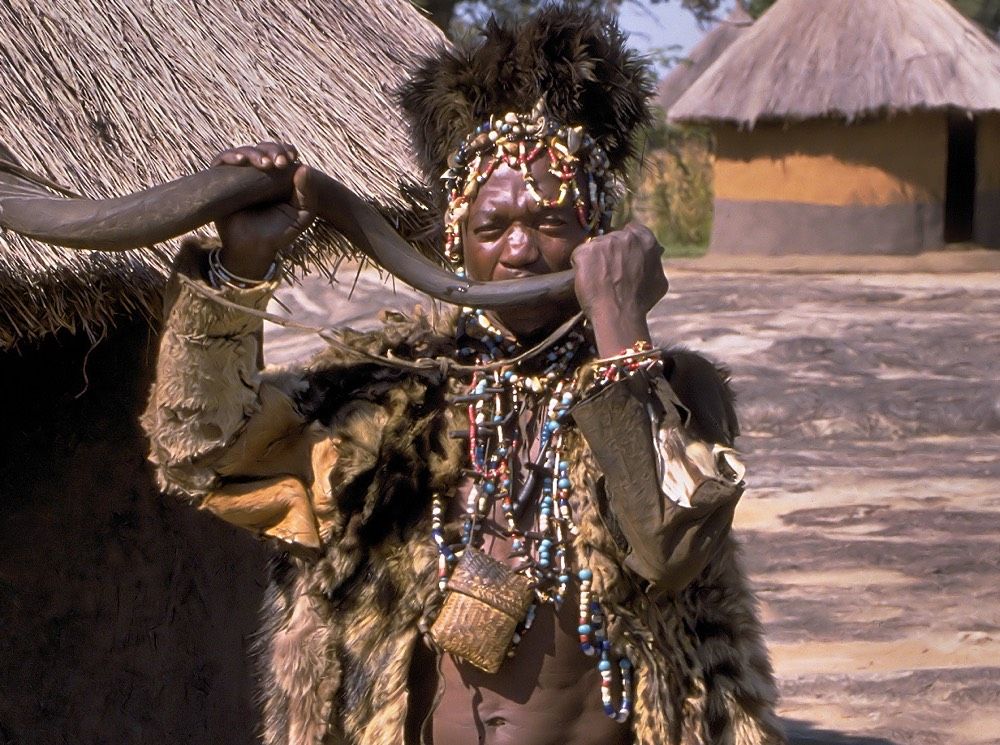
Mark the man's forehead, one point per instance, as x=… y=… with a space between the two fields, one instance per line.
x=506 y=189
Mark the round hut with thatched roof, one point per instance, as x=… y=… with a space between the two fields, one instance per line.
x=126 y=617
x=711 y=46
x=853 y=127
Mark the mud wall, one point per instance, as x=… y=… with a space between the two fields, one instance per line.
x=125 y=616
x=827 y=187
x=987 y=215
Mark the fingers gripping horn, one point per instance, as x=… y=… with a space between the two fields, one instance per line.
x=29 y=206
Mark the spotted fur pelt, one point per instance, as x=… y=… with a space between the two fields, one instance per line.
x=341 y=621
x=339 y=630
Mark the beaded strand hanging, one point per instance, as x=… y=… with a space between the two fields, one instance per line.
x=494 y=404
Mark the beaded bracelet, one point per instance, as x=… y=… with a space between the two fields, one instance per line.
x=640 y=356
x=219 y=276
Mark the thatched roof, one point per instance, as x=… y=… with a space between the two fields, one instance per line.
x=107 y=97
x=848 y=58
x=700 y=58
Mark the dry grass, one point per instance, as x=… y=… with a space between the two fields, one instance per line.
x=108 y=96
x=674 y=189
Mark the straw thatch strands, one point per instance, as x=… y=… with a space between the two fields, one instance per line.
x=853 y=126
x=111 y=97
x=701 y=57
x=805 y=59
x=127 y=615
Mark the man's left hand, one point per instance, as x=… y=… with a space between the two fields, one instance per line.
x=619 y=278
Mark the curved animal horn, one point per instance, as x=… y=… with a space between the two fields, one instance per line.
x=28 y=207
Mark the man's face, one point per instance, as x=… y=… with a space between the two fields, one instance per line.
x=508 y=235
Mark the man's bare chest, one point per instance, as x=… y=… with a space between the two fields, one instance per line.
x=548 y=691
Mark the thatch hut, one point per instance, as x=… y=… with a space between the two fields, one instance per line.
x=126 y=618
x=711 y=46
x=853 y=126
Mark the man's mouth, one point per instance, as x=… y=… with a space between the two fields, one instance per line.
x=506 y=273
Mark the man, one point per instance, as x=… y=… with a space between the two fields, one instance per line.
x=515 y=531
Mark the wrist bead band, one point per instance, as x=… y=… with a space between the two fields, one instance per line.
x=640 y=356
x=219 y=276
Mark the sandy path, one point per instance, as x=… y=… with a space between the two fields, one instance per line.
x=871 y=415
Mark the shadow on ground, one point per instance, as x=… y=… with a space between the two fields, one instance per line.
x=870 y=407
x=804 y=733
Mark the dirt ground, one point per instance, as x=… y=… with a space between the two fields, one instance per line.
x=871 y=414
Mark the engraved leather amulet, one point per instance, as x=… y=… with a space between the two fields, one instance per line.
x=484 y=601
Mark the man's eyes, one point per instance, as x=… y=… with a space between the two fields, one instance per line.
x=493 y=230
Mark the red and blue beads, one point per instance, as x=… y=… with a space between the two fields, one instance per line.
x=494 y=404
x=594 y=642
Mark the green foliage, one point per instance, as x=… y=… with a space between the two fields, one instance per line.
x=704 y=10
x=984 y=12
x=673 y=188
x=460 y=17
x=756 y=8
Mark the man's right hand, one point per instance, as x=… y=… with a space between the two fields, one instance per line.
x=252 y=238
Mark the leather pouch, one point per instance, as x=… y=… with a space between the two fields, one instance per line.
x=671 y=498
x=484 y=602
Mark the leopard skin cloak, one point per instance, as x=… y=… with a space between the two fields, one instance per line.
x=337 y=463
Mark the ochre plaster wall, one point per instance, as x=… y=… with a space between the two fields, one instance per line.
x=823 y=186
x=987 y=211
x=878 y=162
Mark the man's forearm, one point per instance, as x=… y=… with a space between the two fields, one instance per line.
x=615 y=329
x=207 y=375
x=667 y=497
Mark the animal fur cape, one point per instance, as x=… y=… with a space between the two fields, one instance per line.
x=339 y=461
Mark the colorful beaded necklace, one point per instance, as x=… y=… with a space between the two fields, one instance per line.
x=495 y=402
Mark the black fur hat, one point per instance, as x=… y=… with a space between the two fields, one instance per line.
x=577 y=59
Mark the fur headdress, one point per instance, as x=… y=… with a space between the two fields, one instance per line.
x=575 y=59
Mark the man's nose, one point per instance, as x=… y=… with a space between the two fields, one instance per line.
x=521 y=247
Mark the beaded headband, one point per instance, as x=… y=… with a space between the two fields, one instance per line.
x=518 y=140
